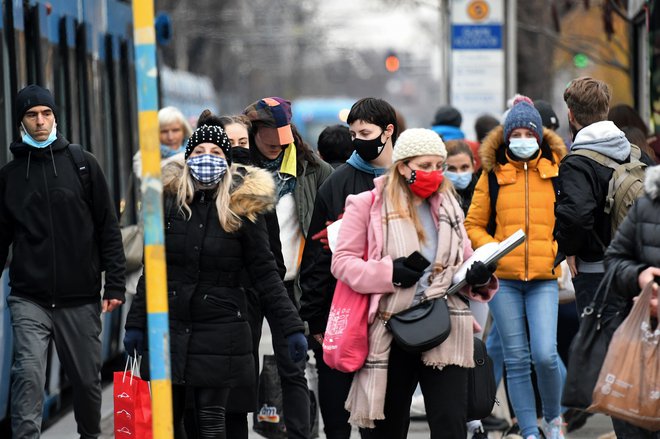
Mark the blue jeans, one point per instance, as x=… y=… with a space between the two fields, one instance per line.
x=517 y=306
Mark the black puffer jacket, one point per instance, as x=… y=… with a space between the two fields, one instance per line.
x=316 y=281
x=210 y=338
x=636 y=245
x=62 y=240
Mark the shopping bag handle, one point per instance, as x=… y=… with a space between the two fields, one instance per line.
x=135 y=360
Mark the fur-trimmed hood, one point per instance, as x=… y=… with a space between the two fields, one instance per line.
x=252 y=189
x=652 y=182
x=490 y=154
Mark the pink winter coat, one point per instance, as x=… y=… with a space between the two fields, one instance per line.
x=362 y=224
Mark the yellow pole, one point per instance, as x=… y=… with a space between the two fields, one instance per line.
x=152 y=215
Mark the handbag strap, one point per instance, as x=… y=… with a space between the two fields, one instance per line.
x=599 y=301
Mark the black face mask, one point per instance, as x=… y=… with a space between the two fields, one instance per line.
x=241 y=155
x=369 y=149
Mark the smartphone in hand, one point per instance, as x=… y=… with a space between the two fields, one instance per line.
x=416 y=261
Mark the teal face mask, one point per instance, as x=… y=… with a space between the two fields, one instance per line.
x=523 y=148
x=460 y=180
x=28 y=140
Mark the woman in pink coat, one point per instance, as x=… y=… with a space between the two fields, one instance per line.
x=412 y=208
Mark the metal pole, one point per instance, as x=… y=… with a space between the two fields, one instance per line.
x=445 y=57
x=511 y=49
x=152 y=216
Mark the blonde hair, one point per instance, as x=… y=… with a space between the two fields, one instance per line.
x=229 y=220
x=168 y=115
x=397 y=192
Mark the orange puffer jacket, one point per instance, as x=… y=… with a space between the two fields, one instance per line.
x=525 y=201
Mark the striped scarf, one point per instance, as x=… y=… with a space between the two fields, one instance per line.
x=366 y=399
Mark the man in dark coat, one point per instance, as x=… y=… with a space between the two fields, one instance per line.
x=373 y=128
x=582 y=227
x=64 y=234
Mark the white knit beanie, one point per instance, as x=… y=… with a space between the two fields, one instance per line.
x=418 y=141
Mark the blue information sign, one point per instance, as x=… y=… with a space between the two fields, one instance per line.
x=476 y=37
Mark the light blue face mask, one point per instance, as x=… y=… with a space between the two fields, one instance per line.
x=523 y=148
x=460 y=180
x=29 y=140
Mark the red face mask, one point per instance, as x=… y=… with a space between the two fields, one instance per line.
x=425 y=183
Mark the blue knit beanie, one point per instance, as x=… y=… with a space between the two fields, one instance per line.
x=523 y=115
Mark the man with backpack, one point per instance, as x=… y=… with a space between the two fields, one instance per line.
x=598 y=181
x=56 y=210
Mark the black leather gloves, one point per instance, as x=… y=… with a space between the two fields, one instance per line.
x=479 y=274
x=403 y=276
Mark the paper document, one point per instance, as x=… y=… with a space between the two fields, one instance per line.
x=487 y=254
x=333 y=233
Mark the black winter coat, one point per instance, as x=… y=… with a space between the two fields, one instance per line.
x=636 y=245
x=62 y=240
x=316 y=280
x=211 y=342
x=583 y=185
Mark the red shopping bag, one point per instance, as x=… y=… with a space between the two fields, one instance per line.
x=345 y=343
x=132 y=410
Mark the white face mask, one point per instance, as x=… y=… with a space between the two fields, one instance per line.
x=29 y=140
x=524 y=148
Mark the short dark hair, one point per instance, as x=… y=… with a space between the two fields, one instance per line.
x=335 y=143
x=588 y=99
x=483 y=125
x=375 y=111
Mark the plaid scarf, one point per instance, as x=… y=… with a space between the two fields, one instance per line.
x=286 y=183
x=366 y=399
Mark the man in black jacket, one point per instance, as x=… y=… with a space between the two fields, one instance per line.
x=373 y=128
x=64 y=234
x=582 y=227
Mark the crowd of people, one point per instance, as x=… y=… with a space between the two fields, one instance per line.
x=247 y=204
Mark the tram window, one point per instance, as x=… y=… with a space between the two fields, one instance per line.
x=33 y=46
x=83 y=87
x=60 y=67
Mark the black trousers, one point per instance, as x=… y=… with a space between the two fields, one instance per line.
x=333 y=390
x=625 y=430
x=445 y=398
x=210 y=404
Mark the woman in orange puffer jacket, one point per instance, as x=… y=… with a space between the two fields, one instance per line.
x=523 y=159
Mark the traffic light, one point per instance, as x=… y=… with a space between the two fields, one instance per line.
x=580 y=60
x=392 y=63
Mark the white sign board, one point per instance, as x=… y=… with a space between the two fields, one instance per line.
x=477 y=60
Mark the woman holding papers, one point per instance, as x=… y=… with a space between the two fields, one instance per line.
x=411 y=218
x=520 y=161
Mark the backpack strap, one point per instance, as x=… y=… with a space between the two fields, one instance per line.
x=82 y=168
x=493 y=192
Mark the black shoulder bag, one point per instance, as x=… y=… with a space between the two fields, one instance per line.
x=421 y=327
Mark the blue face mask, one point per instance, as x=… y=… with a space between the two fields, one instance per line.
x=460 y=180
x=523 y=148
x=29 y=140
x=207 y=169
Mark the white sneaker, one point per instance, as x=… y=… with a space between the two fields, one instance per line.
x=552 y=429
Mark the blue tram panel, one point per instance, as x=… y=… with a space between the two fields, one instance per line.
x=312 y=115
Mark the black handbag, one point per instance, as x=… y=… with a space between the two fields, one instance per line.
x=481 y=384
x=589 y=347
x=421 y=327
